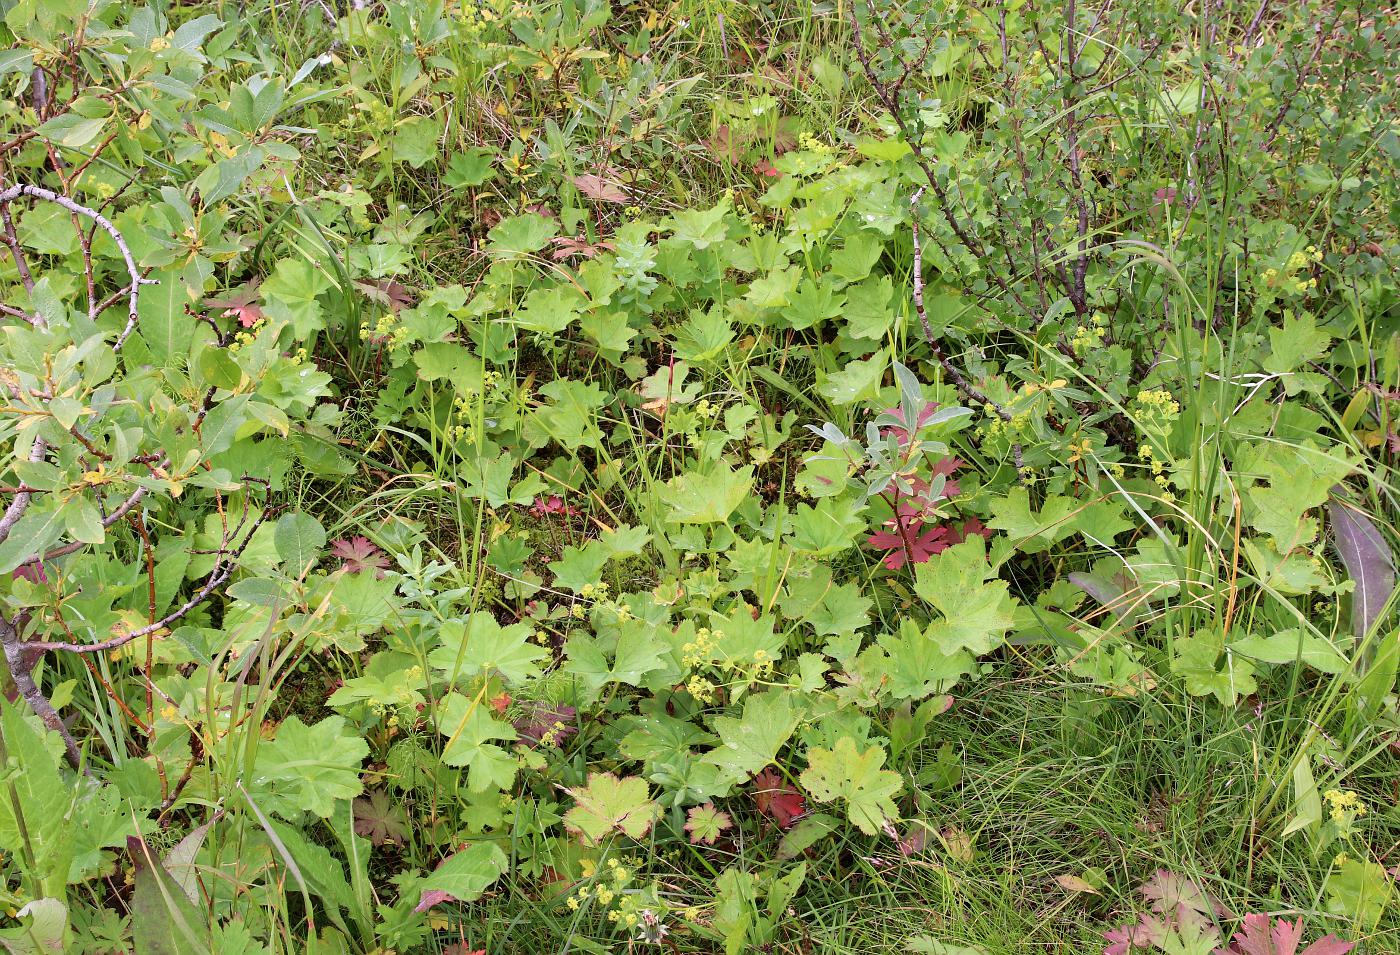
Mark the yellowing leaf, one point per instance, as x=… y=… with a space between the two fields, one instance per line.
x=847 y=773
x=608 y=805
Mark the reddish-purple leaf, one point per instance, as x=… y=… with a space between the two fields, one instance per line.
x=596 y=187
x=430 y=898
x=1368 y=560
x=241 y=303
x=358 y=553
x=541 y=723
x=776 y=799
x=1148 y=932
x=1261 y=936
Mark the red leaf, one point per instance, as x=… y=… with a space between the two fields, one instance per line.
x=603 y=190
x=767 y=170
x=554 y=504
x=776 y=799
x=1258 y=936
x=1148 y=932
x=241 y=303
x=430 y=898
x=358 y=553
x=725 y=144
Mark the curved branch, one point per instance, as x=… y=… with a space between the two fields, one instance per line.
x=132 y=291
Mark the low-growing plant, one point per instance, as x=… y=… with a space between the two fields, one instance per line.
x=409 y=543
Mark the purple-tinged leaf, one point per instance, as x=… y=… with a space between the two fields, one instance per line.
x=1103 y=590
x=1368 y=560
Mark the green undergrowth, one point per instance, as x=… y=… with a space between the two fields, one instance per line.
x=708 y=477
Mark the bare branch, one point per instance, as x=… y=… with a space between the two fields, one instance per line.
x=965 y=387
x=131 y=291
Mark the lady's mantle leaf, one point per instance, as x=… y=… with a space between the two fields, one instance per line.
x=751 y=743
x=705 y=823
x=314 y=765
x=695 y=498
x=856 y=777
x=608 y=804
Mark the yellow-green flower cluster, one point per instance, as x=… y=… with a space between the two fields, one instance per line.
x=1159 y=402
x=1091 y=335
x=241 y=340
x=700 y=688
x=610 y=890
x=1156 y=466
x=1288 y=280
x=387 y=332
x=1344 y=805
x=998 y=427
x=698 y=651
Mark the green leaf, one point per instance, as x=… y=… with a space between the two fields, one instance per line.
x=73 y=131
x=163 y=920
x=1359 y=889
x=608 y=805
x=480 y=646
x=1034 y=533
x=858 y=381
x=921 y=663
x=165 y=325
x=471 y=168
x=706 y=823
x=701 y=228
x=1307 y=803
x=572 y=417
x=520 y=235
x=416 y=140
x=750 y=743
x=977 y=608
x=637 y=652
x=291 y=293
x=578 y=567
x=1288 y=646
x=446 y=360
x=469 y=727
x=869 y=312
x=299 y=539
x=467 y=874
x=854 y=260
x=1205 y=666
x=314 y=766
x=848 y=774
x=1291 y=347
x=221 y=424
x=45 y=931
x=829 y=528
x=36 y=801
x=609 y=331
x=364 y=602
x=549 y=310
x=698 y=498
